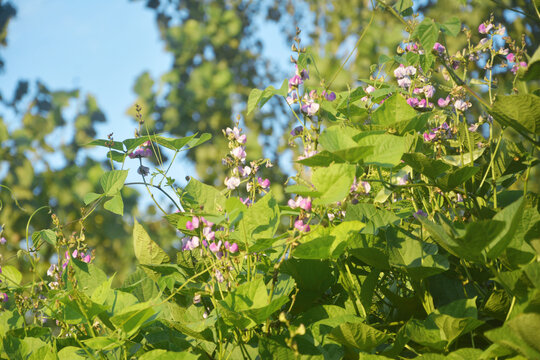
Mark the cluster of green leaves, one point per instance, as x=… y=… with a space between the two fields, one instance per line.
x=374 y=277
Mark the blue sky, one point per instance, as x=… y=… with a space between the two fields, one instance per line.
x=99 y=46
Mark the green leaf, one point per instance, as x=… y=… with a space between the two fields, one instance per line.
x=519 y=112
x=260 y=221
x=452 y=27
x=113 y=181
x=521 y=334
x=457 y=177
x=202 y=197
x=373 y=217
x=387 y=149
x=131 y=144
x=338 y=137
x=323 y=158
x=260 y=97
x=333 y=183
x=160 y=354
x=179 y=143
x=46 y=235
x=395 y=109
x=105 y=143
x=146 y=250
x=426 y=166
x=131 y=319
x=116 y=156
x=10 y=275
x=427 y=32
x=403 y=5
x=511 y=216
x=533 y=70
x=90 y=197
x=358 y=335
x=418 y=260
x=325 y=243
x=115 y=204
x=89 y=277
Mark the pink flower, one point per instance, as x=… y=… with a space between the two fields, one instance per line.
x=244 y=171
x=239 y=153
x=193 y=224
x=483 y=29
x=232 y=248
x=429 y=136
x=511 y=57
x=443 y=102
x=300 y=226
x=370 y=89
x=215 y=247
x=2 y=240
x=295 y=81
x=4 y=297
x=304 y=203
x=399 y=72
x=523 y=64
x=246 y=201
x=473 y=127
x=208 y=233
x=263 y=183
x=87 y=259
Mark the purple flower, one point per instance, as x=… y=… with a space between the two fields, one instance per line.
x=310 y=107
x=402 y=180
x=297 y=131
x=399 y=72
x=366 y=186
x=420 y=213
x=473 y=127
x=244 y=171
x=239 y=153
x=523 y=64
x=87 y=259
x=292 y=98
x=329 y=96
x=404 y=82
x=429 y=136
x=459 y=197
x=413 y=102
x=439 y=48
x=300 y=226
x=232 y=182
x=52 y=269
x=4 y=297
x=219 y=277
x=444 y=126
x=511 y=57
x=300 y=202
x=444 y=102
x=193 y=224
x=429 y=91
x=190 y=243
x=304 y=74
x=370 y=89
x=263 y=183
x=2 y=240
x=410 y=71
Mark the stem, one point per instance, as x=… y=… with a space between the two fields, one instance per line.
x=160 y=189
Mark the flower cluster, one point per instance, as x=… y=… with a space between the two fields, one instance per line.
x=142 y=151
x=304 y=204
x=206 y=237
